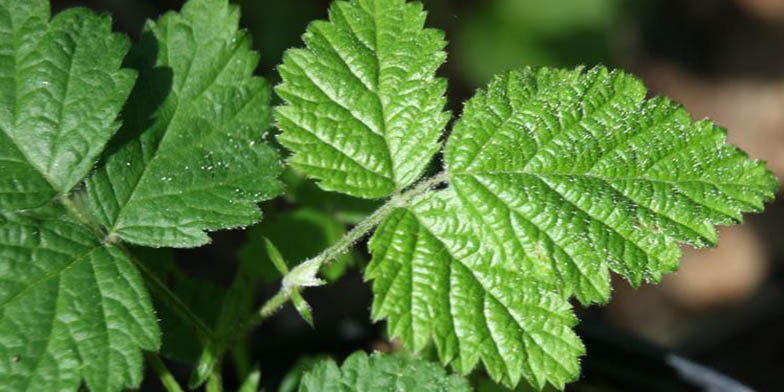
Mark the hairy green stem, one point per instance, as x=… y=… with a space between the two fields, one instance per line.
x=167 y=379
x=304 y=274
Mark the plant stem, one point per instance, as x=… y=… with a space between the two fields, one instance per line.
x=167 y=379
x=304 y=274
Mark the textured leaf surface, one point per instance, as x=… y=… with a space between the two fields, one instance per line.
x=556 y=178
x=61 y=89
x=380 y=373
x=190 y=156
x=364 y=111
x=434 y=280
x=573 y=174
x=70 y=308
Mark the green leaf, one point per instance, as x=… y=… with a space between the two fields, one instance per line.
x=573 y=174
x=251 y=383
x=71 y=308
x=431 y=281
x=556 y=178
x=61 y=89
x=293 y=378
x=364 y=110
x=274 y=255
x=190 y=156
x=302 y=307
x=380 y=373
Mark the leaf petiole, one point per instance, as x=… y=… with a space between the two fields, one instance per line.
x=305 y=274
x=167 y=379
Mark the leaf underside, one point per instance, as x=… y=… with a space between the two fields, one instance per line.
x=556 y=178
x=380 y=373
x=189 y=157
x=364 y=109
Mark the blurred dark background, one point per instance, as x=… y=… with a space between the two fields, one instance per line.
x=722 y=59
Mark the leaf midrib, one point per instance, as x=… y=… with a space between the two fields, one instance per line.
x=52 y=275
x=523 y=326
x=174 y=116
x=16 y=110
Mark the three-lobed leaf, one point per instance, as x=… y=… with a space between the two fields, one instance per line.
x=555 y=179
x=189 y=157
x=364 y=110
x=380 y=373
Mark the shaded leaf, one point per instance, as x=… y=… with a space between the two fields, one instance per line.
x=197 y=162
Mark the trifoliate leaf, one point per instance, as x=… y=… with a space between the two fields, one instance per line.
x=61 y=89
x=380 y=373
x=556 y=178
x=71 y=308
x=190 y=156
x=364 y=111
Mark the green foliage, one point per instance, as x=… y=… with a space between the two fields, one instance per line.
x=188 y=157
x=439 y=288
x=72 y=308
x=61 y=89
x=554 y=179
x=364 y=110
x=251 y=383
x=194 y=161
x=380 y=373
x=591 y=177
